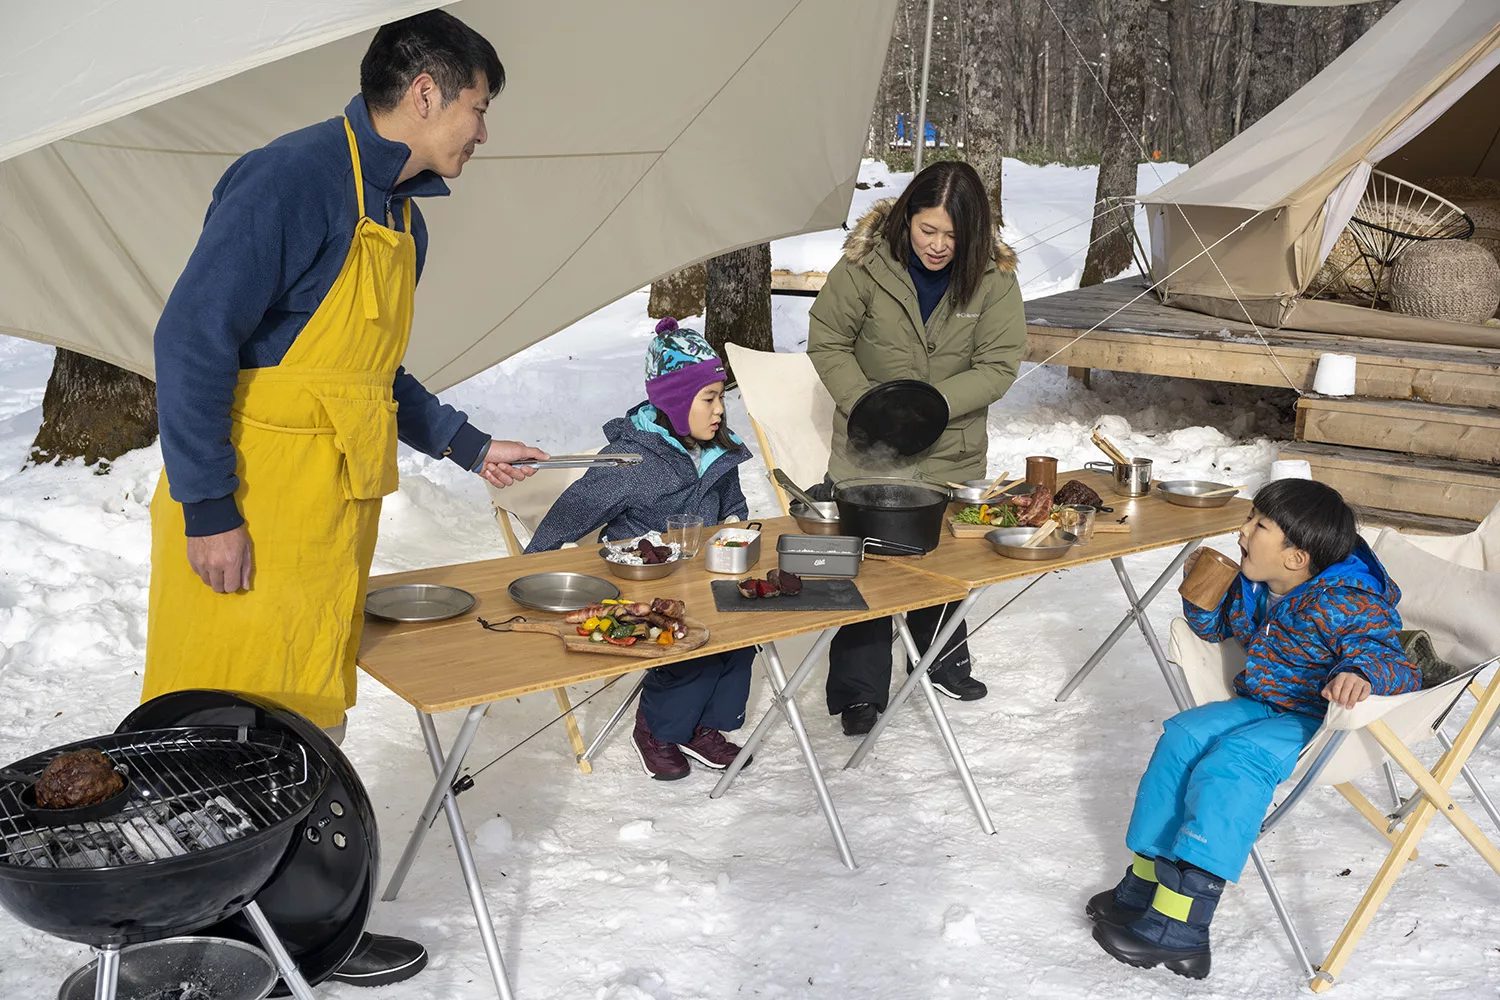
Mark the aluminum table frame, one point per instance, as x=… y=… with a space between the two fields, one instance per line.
x=1136 y=614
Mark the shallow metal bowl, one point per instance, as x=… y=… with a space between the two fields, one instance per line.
x=417 y=602
x=560 y=591
x=645 y=571
x=972 y=491
x=1007 y=542
x=823 y=519
x=1184 y=492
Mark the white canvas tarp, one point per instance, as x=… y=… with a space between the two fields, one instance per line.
x=632 y=138
x=1416 y=95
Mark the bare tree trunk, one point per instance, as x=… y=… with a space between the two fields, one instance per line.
x=985 y=149
x=679 y=294
x=739 y=300
x=1186 y=46
x=94 y=411
x=1110 y=250
x=1273 y=74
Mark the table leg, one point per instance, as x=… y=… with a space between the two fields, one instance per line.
x=785 y=700
x=1135 y=614
x=781 y=691
x=446 y=771
x=935 y=703
x=461 y=841
x=614 y=721
x=1168 y=672
x=917 y=675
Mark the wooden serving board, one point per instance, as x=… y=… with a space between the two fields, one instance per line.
x=697 y=635
x=959 y=529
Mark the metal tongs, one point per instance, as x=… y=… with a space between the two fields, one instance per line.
x=582 y=461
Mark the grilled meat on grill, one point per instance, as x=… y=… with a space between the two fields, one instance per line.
x=77 y=778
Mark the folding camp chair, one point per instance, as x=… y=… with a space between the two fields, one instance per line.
x=790 y=412
x=524 y=505
x=1353 y=742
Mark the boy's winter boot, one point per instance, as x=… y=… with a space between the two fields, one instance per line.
x=1174 y=929
x=1129 y=899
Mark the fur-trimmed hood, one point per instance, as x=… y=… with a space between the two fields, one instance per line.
x=865 y=239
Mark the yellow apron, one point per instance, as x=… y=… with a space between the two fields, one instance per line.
x=315 y=442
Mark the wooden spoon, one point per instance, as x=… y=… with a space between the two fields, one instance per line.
x=1219 y=492
x=1040 y=535
x=992 y=493
x=1108 y=447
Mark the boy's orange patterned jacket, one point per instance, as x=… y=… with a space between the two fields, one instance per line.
x=1344 y=618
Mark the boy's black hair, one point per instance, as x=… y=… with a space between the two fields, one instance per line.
x=721 y=437
x=1314 y=518
x=436 y=43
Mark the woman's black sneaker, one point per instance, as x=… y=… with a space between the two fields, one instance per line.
x=859 y=719
x=960 y=688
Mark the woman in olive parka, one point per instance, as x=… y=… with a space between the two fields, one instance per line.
x=925 y=290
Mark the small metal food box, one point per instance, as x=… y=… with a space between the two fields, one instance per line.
x=820 y=555
x=720 y=557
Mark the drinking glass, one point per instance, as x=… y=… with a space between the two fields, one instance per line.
x=685 y=531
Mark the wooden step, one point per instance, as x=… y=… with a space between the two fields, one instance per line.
x=1436 y=487
x=1464 y=433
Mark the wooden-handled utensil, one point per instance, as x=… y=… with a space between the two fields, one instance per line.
x=992 y=492
x=1040 y=535
x=1107 y=446
x=1219 y=492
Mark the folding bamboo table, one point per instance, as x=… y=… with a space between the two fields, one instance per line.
x=1155 y=524
x=456 y=664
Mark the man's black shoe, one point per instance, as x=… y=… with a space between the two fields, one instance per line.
x=960 y=688
x=380 y=960
x=859 y=719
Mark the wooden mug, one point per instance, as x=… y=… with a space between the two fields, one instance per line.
x=1210 y=579
x=1041 y=470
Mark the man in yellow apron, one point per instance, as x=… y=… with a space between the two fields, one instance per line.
x=281 y=395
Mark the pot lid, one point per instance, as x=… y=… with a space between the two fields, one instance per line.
x=905 y=416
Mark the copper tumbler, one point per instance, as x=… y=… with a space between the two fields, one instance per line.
x=1210 y=580
x=1041 y=470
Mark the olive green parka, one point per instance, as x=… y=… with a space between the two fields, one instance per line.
x=866 y=328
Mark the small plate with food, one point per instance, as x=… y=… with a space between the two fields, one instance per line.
x=645 y=558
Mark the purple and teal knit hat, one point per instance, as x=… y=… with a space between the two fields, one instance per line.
x=679 y=364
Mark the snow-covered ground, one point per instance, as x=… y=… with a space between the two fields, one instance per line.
x=613 y=887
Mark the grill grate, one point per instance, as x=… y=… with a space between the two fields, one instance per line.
x=191 y=791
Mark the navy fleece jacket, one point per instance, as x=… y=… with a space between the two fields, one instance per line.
x=275 y=236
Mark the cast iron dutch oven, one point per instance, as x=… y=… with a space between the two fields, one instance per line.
x=907 y=511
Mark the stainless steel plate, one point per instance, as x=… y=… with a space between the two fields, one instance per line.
x=561 y=591
x=1184 y=492
x=417 y=602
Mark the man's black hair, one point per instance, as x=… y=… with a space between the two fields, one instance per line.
x=435 y=42
x=1314 y=518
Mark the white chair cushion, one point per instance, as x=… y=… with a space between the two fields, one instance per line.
x=788 y=402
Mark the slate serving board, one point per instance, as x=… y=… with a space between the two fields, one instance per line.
x=817 y=595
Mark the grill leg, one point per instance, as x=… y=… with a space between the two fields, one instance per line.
x=106 y=978
x=291 y=976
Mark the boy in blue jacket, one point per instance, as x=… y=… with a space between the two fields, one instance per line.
x=689 y=465
x=1316 y=614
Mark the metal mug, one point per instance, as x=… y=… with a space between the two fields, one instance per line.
x=1131 y=480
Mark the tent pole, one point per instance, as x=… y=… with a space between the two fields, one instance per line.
x=919 y=143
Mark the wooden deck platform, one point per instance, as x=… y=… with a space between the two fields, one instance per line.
x=1420 y=437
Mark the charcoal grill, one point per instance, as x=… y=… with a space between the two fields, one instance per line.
x=211 y=813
